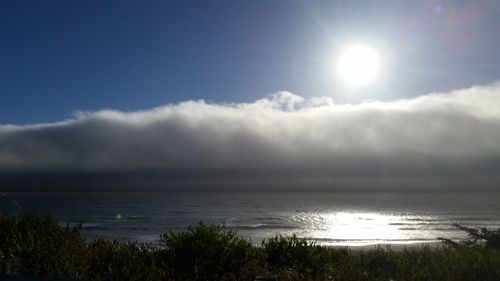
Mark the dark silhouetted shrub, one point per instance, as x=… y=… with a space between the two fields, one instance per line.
x=115 y=260
x=205 y=252
x=490 y=238
x=298 y=254
x=40 y=247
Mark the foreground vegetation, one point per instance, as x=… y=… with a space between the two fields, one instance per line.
x=34 y=244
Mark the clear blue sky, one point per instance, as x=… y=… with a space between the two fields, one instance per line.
x=60 y=56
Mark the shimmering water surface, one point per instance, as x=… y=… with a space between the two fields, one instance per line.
x=330 y=217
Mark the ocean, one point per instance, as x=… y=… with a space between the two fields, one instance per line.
x=343 y=218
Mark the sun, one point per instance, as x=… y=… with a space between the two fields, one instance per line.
x=358 y=65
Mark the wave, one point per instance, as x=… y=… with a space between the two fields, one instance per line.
x=114 y=228
x=262 y=226
x=138 y=217
x=95 y=227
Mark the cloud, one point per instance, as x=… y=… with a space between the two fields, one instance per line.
x=452 y=136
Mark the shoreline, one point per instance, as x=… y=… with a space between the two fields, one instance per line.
x=396 y=246
x=391 y=246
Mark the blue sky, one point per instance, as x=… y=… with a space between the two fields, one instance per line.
x=57 y=57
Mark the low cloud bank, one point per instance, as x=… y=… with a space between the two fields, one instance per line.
x=452 y=136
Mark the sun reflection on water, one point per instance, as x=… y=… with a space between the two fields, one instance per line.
x=363 y=228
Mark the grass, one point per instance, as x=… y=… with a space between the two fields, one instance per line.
x=34 y=244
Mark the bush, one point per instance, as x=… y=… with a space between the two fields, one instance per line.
x=35 y=244
x=298 y=254
x=379 y=263
x=115 y=260
x=490 y=238
x=205 y=252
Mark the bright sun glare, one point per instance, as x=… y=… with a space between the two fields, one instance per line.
x=358 y=65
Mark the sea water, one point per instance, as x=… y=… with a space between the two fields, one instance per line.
x=348 y=218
